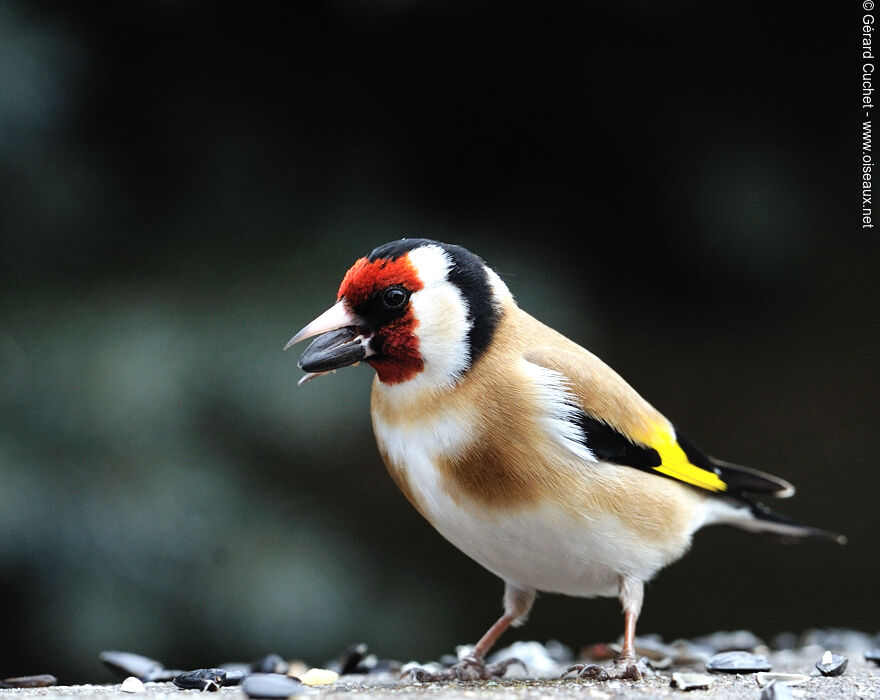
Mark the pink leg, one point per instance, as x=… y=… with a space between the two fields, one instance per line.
x=626 y=664
x=517 y=604
x=487 y=641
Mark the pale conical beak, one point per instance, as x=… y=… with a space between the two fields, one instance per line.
x=336 y=317
x=344 y=340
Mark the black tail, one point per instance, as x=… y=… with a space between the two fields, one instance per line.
x=763 y=519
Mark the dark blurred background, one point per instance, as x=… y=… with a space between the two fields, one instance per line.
x=674 y=185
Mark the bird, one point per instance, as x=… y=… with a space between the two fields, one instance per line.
x=522 y=448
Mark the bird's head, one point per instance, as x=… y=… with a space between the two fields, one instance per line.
x=416 y=310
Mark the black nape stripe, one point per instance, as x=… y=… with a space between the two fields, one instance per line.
x=609 y=445
x=468 y=273
x=395 y=249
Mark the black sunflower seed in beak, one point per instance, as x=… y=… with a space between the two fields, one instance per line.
x=334 y=349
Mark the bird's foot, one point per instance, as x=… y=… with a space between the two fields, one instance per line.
x=625 y=667
x=470 y=668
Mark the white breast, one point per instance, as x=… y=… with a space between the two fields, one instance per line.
x=545 y=548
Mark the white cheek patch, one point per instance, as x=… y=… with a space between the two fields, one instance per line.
x=431 y=263
x=443 y=325
x=442 y=332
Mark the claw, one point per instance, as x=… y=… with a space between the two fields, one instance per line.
x=468 y=669
x=624 y=668
x=627 y=667
x=419 y=675
x=632 y=672
x=499 y=668
x=587 y=671
x=573 y=667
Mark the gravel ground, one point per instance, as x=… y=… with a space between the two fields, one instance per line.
x=860 y=684
x=860 y=680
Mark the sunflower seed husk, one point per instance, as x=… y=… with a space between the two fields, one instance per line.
x=832 y=664
x=270 y=685
x=42 y=680
x=787 y=678
x=691 y=681
x=737 y=662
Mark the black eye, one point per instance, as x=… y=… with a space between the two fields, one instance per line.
x=394 y=297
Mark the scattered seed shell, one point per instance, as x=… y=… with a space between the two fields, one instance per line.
x=658 y=664
x=873 y=655
x=737 y=662
x=787 y=678
x=125 y=664
x=270 y=685
x=319 y=676
x=351 y=659
x=296 y=668
x=201 y=679
x=132 y=685
x=832 y=664
x=775 y=690
x=691 y=681
x=42 y=680
x=270 y=663
x=233 y=677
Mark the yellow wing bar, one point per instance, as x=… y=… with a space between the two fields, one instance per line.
x=675 y=463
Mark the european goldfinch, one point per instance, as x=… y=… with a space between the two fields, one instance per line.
x=519 y=446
